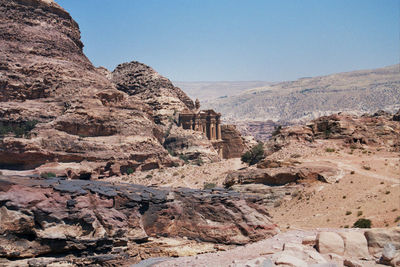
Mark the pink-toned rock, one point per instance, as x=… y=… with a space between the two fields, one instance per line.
x=330 y=242
x=355 y=245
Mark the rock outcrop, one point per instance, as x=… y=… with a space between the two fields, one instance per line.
x=56 y=106
x=84 y=218
x=233 y=145
x=190 y=145
x=284 y=174
x=135 y=78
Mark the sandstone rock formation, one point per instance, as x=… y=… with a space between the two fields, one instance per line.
x=282 y=175
x=158 y=92
x=190 y=145
x=56 y=106
x=53 y=216
x=233 y=145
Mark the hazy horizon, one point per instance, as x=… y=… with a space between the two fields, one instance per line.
x=231 y=40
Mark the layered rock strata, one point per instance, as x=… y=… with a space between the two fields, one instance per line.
x=56 y=106
x=57 y=217
x=166 y=100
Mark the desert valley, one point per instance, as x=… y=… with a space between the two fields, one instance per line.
x=123 y=168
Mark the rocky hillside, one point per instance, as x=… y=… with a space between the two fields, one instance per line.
x=56 y=106
x=357 y=92
x=158 y=92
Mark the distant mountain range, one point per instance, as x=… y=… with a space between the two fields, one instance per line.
x=301 y=100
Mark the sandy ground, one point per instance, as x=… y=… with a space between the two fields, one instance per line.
x=369 y=188
x=188 y=175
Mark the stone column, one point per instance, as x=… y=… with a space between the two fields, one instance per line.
x=219 y=134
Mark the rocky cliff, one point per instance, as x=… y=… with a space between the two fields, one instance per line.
x=158 y=92
x=56 y=106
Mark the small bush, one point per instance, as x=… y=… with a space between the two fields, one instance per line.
x=129 y=171
x=365 y=167
x=362 y=223
x=397 y=219
x=348 y=212
x=148 y=176
x=48 y=175
x=295 y=156
x=330 y=150
x=255 y=155
x=344 y=197
x=359 y=213
x=184 y=158
x=209 y=186
x=387 y=192
x=175 y=174
x=352 y=172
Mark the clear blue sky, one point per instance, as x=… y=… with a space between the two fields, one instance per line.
x=240 y=40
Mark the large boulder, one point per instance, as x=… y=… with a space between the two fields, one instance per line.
x=377 y=238
x=330 y=242
x=355 y=245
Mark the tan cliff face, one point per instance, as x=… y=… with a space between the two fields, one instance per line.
x=76 y=112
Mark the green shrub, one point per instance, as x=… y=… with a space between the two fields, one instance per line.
x=18 y=129
x=359 y=213
x=328 y=149
x=348 y=212
x=362 y=223
x=148 y=176
x=48 y=175
x=254 y=155
x=129 y=171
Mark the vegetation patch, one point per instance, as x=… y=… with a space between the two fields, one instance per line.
x=254 y=155
x=362 y=223
x=47 y=175
x=17 y=129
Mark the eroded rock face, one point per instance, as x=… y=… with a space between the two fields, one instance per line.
x=54 y=216
x=284 y=174
x=233 y=145
x=77 y=113
x=135 y=78
x=190 y=145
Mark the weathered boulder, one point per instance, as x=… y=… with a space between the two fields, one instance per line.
x=330 y=242
x=355 y=245
x=377 y=238
x=388 y=254
x=55 y=216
